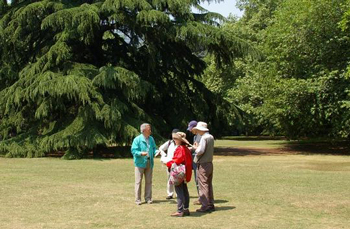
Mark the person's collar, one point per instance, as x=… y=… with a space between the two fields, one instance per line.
x=144 y=137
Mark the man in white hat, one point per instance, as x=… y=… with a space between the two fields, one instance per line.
x=204 y=159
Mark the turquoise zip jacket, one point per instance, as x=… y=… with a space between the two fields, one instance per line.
x=140 y=145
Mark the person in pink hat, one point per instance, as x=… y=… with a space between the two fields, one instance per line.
x=204 y=160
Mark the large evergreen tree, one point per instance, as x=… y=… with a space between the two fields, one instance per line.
x=78 y=74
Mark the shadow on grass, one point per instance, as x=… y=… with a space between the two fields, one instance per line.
x=220 y=201
x=224 y=208
x=296 y=148
x=172 y=201
x=99 y=153
x=308 y=147
x=326 y=148
x=253 y=138
x=217 y=209
x=235 y=151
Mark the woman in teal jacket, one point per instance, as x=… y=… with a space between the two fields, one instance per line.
x=143 y=150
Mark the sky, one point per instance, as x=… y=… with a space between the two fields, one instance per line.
x=224 y=8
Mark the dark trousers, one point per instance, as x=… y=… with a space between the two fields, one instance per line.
x=183 y=197
x=205 y=181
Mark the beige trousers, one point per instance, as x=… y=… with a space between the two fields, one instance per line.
x=147 y=172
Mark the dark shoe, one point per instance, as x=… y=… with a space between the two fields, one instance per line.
x=186 y=212
x=169 y=197
x=197 y=202
x=203 y=210
x=177 y=214
x=211 y=209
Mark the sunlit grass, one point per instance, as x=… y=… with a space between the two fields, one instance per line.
x=290 y=191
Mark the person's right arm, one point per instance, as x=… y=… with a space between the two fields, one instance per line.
x=201 y=147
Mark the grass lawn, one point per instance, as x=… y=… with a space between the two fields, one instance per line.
x=289 y=191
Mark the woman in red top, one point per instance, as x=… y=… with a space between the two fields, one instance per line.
x=182 y=155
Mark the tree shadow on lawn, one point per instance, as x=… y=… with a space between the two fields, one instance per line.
x=244 y=151
x=253 y=138
x=324 y=148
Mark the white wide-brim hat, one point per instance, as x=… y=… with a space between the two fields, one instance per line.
x=201 y=126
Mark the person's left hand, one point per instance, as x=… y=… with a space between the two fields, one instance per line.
x=144 y=153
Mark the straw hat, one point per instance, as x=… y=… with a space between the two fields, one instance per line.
x=181 y=136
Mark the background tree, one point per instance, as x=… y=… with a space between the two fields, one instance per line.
x=78 y=74
x=300 y=87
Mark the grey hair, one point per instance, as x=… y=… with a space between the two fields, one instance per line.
x=143 y=126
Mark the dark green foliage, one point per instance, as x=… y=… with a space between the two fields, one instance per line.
x=80 y=74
